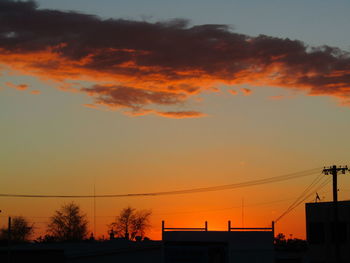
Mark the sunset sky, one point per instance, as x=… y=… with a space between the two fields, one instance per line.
x=148 y=96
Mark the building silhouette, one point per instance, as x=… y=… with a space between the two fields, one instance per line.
x=322 y=233
x=203 y=246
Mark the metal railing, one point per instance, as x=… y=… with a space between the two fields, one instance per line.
x=229 y=228
x=205 y=228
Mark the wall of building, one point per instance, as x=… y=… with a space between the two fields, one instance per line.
x=219 y=246
x=321 y=234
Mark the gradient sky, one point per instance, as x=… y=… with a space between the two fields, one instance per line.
x=59 y=137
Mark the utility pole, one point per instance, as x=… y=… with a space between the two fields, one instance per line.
x=333 y=170
x=9 y=241
x=95 y=234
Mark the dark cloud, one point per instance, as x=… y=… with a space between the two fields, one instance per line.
x=126 y=97
x=159 y=63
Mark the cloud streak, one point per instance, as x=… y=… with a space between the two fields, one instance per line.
x=127 y=97
x=141 y=66
x=35 y=92
x=246 y=92
x=17 y=87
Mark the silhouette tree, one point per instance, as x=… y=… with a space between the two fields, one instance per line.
x=280 y=240
x=68 y=223
x=131 y=223
x=140 y=223
x=291 y=244
x=21 y=230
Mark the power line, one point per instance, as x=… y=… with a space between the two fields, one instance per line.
x=296 y=204
x=320 y=186
x=223 y=209
x=175 y=192
x=305 y=192
x=193 y=211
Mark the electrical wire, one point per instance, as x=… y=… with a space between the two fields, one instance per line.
x=305 y=192
x=175 y=192
x=303 y=198
x=319 y=187
x=223 y=209
x=193 y=211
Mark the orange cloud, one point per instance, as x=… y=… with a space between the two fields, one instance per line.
x=137 y=66
x=91 y=106
x=17 y=87
x=35 y=92
x=181 y=114
x=277 y=97
x=246 y=92
x=168 y=114
x=233 y=92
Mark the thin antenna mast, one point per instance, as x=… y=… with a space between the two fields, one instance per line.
x=242 y=212
x=95 y=207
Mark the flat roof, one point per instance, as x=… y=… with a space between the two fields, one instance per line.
x=344 y=202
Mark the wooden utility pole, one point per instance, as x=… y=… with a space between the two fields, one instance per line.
x=333 y=170
x=9 y=240
x=95 y=234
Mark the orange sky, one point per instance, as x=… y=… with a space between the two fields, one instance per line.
x=255 y=205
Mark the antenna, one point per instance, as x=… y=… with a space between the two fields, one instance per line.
x=95 y=206
x=242 y=212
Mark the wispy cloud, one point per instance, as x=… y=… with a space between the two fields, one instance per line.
x=137 y=65
x=181 y=114
x=35 y=92
x=277 y=97
x=168 y=114
x=233 y=92
x=90 y=106
x=17 y=86
x=133 y=98
x=246 y=91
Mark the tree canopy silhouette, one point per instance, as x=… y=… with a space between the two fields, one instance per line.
x=131 y=223
x=21 y=230
x=290 y=244
x=68 y=223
